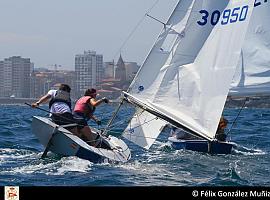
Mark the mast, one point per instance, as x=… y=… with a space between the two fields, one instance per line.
x=149 y=53
x=186 y=76
x=129 y=88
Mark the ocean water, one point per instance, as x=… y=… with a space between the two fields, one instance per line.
x=248 y=165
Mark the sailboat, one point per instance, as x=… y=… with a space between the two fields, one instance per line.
x=59 y=140
x=252 y=75
x=186 y=77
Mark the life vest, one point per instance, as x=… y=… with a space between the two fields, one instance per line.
x=61 y=96
x=84 y=107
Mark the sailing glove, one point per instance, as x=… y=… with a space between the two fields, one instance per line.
x=105 y=100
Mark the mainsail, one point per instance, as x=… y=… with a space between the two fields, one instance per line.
x=186 y=76
x=252 y=76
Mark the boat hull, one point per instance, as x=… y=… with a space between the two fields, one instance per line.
x=60 y=141
x=213 y=147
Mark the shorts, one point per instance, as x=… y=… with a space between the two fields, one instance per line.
x=68 y=118
x=80 y=120
x=63 y=118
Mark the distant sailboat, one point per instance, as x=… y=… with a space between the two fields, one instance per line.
x=186 y=77
x=252 y=76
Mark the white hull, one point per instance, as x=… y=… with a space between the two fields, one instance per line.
x=63 y=142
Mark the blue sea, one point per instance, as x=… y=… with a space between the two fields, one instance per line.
x=248 y=165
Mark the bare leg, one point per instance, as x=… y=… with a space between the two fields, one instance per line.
x=87 y=133
x=75 y=131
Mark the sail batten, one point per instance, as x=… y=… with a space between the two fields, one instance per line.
x=186 y=77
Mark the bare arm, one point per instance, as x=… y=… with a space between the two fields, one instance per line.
x=43 y=99
x=95 y=102
x=94 y=118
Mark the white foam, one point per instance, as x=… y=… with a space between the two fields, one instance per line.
x=74 y=164
x=9 y=155
x=35 y=165
x=29 y=169
x=247 y=151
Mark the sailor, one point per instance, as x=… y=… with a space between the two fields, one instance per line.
x=60 y=106
x=220 y=134
x=84 y=110
x=178 y=133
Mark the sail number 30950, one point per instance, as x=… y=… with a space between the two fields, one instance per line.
x=228 y=16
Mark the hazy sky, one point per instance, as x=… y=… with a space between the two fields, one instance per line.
x=54 y=31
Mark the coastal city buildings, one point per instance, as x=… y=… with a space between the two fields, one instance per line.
x=15 y=77
x=44 y=80
x=19 y=78
x=120 y=71
x=89 y=71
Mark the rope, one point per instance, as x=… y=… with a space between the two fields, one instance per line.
x=126 y=121
x=117 y=123
x=161 y=140
x=144 y=123
x=56 y=114
x=237 y=116
x=135 y=28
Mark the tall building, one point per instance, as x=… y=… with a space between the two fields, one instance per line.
x=109 y=69
x=1 y=78
x=89 y=71
x=131 y=70
x=120 y=71
x=15 y=77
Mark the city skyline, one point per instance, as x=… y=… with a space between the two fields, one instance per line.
x=53 y=32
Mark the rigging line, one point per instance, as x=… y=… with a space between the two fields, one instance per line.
x=55 y=114
x=109 y=124
x=117 y=123
x=99 y=149
x=111 y=127
x=157 y=139
x=127 y=121
x=135 y=28
x=137 y=136
x=113 y=117
x=156 y=20
x=161 y=115
x=113 y=150
x=124 y=120
x=237 y=115
x=144 y=123
x=96 y=147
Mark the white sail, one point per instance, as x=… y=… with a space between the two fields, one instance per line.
x=187 y=74
x=252 y=76
x=143 y=129
x=137 y=131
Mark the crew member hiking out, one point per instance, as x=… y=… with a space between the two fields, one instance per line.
x=60 y=106
x=84 y=110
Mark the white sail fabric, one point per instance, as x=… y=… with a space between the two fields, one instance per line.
x=252 y=76
x=143 y=129
x=187 y=74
